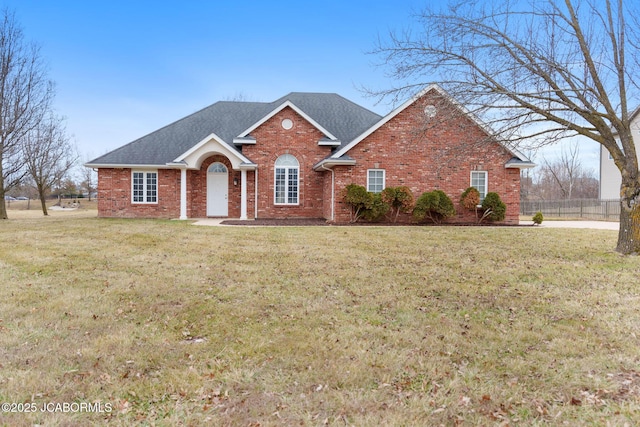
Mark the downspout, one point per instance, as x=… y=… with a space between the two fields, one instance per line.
x=255 y=198
x=332 y=190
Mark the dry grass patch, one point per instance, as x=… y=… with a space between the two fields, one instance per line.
x=174 y=324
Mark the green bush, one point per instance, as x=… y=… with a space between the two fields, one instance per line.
x=377 y=208
x=399 y=199
x=538 y=218
x=435 y=206
x=493 y=207
x=363 y=204
x=470 y=198
x=358 y=199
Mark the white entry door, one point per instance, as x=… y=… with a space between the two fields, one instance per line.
x=217 y=190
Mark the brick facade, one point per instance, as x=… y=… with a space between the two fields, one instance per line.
x=415 y=150
x=301 y=141
x=440 y=156
x=115 y=198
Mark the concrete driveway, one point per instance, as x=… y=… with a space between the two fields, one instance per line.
x=599 y=225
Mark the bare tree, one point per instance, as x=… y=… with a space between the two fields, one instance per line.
x=564 y=177
x=536 y=72
x=48 y=156
x=25 y=96
x=89 y=178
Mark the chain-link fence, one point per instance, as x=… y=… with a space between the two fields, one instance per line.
x=608 y=210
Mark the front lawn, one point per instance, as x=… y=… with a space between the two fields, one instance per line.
x=164 y=323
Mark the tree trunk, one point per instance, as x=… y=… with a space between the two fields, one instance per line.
x=3 y=209
x=3 y=203
x=44 y=206
x=629 y=234
x=43 y=200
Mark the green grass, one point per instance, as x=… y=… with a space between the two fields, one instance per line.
x=172 y=324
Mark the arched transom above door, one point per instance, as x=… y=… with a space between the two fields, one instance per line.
x=217 y=167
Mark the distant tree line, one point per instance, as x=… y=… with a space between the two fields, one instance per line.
x=563 y=178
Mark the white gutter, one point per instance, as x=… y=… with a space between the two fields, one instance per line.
x=132 y=166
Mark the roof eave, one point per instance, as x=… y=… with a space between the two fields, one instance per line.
x=329 y=142
x=245 y=140
x=519 y=164
x=248 y=166
x=124 y=166
x=330 y=163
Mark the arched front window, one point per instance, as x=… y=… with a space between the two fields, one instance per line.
x=286 y=180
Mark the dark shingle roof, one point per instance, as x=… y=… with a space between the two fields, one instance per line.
x=227 y=119
x=343 y=118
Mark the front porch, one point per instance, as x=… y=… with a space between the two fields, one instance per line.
x=214 y=181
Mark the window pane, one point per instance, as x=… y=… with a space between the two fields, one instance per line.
x=138 y=187
x=376 y=181
x=217 y=168
x=479 y=182
x=280 y=184
x=152 y=187
x=287 y=160
x=292 y=193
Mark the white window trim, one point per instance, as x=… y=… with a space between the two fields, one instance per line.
x=384 y=179
x=486 y=183
x=287 y=169
x=145 y=196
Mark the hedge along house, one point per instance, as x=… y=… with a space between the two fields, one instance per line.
x=293 y=157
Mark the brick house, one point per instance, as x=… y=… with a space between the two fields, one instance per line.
x=291 y=158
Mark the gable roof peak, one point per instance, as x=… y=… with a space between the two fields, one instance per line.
x=445 y=95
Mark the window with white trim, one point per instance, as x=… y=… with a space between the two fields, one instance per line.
x=479 y=182
x=287 y=180
x=375 y=180
x=144 y=187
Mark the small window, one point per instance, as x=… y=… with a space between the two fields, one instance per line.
x=479 y=182
x=217 y=168
x=375 y=180
x=145 y=187
x=287 y=180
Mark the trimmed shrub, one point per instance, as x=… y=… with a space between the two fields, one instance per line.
x=399 y=199
x=363 y=204
x=538 y=218
x=358 y=199
x=470 y=198
x=435 y=206
x=377 y=208
x=493 y=207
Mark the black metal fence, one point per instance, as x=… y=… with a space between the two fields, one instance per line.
x=607 y=210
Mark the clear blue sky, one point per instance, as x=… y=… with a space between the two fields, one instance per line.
x=126 y=68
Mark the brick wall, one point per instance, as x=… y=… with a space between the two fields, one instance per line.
x=114 y=199
x=301 y=141
x=425 y=154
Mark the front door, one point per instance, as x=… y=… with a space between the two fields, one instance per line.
x=217 y=190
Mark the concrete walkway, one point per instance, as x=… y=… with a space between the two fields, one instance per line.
x=210 y=221
x=599 y=225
